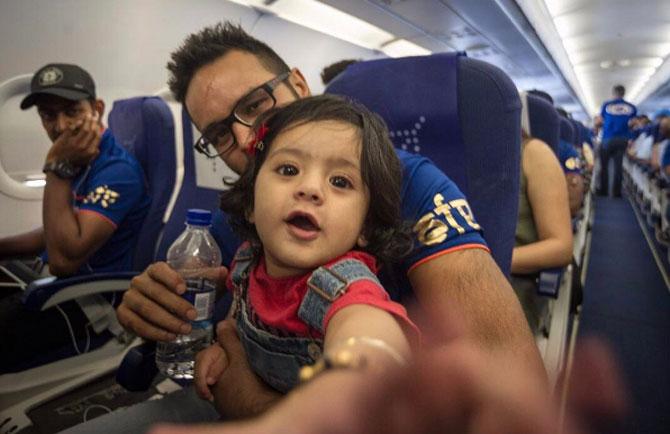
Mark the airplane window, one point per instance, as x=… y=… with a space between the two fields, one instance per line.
x=23 y=142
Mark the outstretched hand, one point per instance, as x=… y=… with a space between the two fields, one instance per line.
x=449 y=388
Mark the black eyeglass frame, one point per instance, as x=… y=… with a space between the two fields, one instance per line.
x=203 y=144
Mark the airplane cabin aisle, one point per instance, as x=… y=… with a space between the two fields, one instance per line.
x=626 y=301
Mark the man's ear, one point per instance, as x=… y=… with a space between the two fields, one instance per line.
x=361 y=241
x=299 y=83
x=99 y=107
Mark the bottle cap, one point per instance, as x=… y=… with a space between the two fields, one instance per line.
x=199 y=217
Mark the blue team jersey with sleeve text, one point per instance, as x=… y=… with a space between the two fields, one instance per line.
x=113 y=186
x=616 y=113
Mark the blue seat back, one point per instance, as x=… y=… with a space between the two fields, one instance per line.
x=145 y=127
x=576 y=127
x=464 y=115
x=160 y=135
x=567 y=130
x=189 y=194
x=543 y=120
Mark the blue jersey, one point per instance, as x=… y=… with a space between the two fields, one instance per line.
x=616 y=113
x=665 y=156
x=113 y=186
x=569 y=157
x=439 y=213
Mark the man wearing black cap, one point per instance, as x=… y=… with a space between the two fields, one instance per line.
x=95 y=201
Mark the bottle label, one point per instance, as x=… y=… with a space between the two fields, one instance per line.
x=201 y=294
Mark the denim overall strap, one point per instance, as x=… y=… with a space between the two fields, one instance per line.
x=244 y=258
x=326 y=285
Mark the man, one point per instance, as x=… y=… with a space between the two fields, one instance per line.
x=94 y=202
x=615 y=135
x=220 y=74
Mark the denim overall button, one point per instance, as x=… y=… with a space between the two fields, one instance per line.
x=314 y=351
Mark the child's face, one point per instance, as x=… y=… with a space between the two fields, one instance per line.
x=309 y=196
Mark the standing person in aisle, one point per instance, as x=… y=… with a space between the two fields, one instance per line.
x=615 y=114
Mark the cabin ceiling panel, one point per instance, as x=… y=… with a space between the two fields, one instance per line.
x=607 y=41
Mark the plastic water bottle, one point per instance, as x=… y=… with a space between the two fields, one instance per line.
x=197 y=258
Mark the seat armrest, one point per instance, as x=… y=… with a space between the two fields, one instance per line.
x=44 y=293
x=549 y=282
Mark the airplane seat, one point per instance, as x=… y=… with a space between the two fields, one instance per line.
x=146 y=127
x=577 y=138
x=136 y=122
x=543 y=119
x=138 y=368
x=556 y=284
x=567 y=130
x=463 y=114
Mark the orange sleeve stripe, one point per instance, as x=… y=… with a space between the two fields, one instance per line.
x=101 y=215
x=453 y=249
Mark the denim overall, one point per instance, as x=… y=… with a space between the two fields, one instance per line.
x=275 y=355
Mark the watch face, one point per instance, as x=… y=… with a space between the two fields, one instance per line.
x=66 y=170
x=62 y=169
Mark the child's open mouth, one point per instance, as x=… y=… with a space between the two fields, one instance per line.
x=303 y=225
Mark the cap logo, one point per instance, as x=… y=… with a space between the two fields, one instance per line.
x=50 y=76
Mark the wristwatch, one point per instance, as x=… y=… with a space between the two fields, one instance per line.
x=62 y=169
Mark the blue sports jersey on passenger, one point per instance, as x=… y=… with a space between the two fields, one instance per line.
x=439 y=213
x=569 y=157
x=616 y=113
x=113 y=186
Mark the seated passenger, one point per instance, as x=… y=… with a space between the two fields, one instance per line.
x=543 y=234
x=640 y=149
x=305 y=206
x=664 y=132
x=660 y=143
x=94 y=202
x=333 y=70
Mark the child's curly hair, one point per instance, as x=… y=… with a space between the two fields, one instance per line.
x=387 y=236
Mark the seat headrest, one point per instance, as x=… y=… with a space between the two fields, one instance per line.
x=146 y=128
x=567 y=130
x=543 y=119
x=463 y=114
x=416 y=97
x=577 y=133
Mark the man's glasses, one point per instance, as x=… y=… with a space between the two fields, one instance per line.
x=218 y=138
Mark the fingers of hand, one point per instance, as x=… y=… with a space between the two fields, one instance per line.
x=165 y=286
x=140 y=327
x=209 y=365
x=157 y=306
x=162 y=273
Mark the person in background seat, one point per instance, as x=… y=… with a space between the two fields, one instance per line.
x=544 y=232
x=94 y=203
x=333 y=70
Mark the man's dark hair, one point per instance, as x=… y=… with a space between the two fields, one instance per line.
x=387 y=236
x=542 y=94
x=561 y=111
x=211 y=43
x=619 y=90
x=333 y=70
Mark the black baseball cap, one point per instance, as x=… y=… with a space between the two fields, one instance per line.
x=60 y=79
